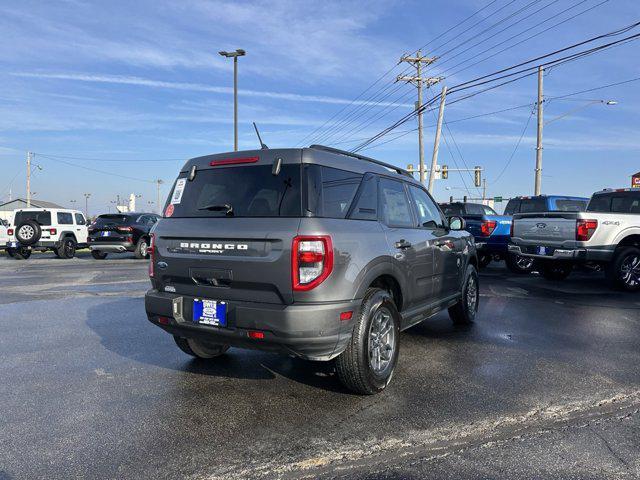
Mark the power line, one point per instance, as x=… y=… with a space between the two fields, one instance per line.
x=485 y=79
x=524 y=131
x=91 y=159
x=377 y=93
x=560 y=97
x=48 y=157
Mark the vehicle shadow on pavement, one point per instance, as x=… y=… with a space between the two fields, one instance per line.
x=123 y=329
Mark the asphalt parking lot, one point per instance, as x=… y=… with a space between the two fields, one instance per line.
x=546 y=384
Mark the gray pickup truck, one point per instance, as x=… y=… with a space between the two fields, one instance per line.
x=607 y=234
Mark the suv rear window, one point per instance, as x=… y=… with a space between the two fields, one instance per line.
x=43 y=218
x=619 y=202
x=248 y=191
x=451 y=210
x=571 y=205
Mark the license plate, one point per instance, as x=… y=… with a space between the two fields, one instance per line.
x=105 y=234
x=210 y=312
x=13 y=244
x=542 y=250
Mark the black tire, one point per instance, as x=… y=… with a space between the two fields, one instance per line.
x=11 y=252
x=67 y=248
x=21 y=253
x=623 y=273
x=28 y=232
x=554 y=270
x=355 y=367
x=484 y=260
x=142 y=248
x=57 y=252
x=98 y=255
x=464 y=312
x=519 y=264
x=199 y=349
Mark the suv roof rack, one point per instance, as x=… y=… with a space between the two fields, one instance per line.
x=399 y=170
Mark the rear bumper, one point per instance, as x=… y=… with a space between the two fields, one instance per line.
x=577 y=254
x=310 y=331
x=112 y=247
x=482 y=246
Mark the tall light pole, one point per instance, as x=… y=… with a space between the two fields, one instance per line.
x=238 y=53
x=159 y=182
x=86 y=204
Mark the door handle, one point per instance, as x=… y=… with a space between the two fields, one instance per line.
x=402 y=244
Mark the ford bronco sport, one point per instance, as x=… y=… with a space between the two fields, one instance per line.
x=314 y=252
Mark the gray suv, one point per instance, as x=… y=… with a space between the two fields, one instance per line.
x=312 y=252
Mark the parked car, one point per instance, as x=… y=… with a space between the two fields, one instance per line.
x=491 y=233
x=314 y=252
x=607 y=234
x=121 y=232
x=4 y=236
x=545 y=203
x=57 y=229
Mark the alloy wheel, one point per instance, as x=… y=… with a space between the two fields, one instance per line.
x=381 y=340
x=630 y=270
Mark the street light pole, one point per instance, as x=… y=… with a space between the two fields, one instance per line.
x=238 y=53
x=86 y=204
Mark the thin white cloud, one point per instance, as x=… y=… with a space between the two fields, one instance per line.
x=199 y=87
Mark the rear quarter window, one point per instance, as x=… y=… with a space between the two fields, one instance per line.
x=330 y=191
x=65 y=218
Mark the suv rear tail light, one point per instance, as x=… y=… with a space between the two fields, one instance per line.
x=10 y=231
x=585 y=229
x=311 y=261
x=53 y=231
x=152 y=254
x=487 y=227
x=124 y=229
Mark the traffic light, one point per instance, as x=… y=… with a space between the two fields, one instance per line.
x=478 y=176
x=445 y=172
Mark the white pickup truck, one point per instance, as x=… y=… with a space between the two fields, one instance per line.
x=606 y=234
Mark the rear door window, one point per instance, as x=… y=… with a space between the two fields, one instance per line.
x=488 y=210
x=248 y=191
x=65 y=218
x=366 y=207
x=474 y=209
x=42 y=218
x=394 y=204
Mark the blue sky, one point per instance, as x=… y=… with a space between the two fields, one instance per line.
x=140 y=85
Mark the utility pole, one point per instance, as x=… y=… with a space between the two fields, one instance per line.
x=484 y=189
x=417 y=62
x=28 y=179
x=86 y=204
x=538 y=179
x=238 y=53
x=159 y=182
x=436 y=142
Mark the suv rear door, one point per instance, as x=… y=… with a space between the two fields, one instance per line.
x=410 y=246
x=227 y=234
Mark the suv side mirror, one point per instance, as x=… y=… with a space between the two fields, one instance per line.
x=457 y=223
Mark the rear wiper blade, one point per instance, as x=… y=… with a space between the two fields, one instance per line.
x=226 y=208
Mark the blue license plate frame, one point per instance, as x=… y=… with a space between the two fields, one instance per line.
x=210 y=312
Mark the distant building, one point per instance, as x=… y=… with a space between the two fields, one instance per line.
x=635 y=180
x=7 y=208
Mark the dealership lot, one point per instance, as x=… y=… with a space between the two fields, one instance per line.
x=546 y=382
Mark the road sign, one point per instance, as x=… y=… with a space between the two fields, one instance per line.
x=497 y=199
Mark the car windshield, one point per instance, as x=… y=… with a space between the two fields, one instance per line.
x=113 y=219
x=43 y=218
x=248 y=191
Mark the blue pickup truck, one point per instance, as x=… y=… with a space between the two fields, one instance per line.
x=492 y=232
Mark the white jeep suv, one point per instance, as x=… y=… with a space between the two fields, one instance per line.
x=57 y=229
